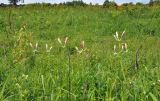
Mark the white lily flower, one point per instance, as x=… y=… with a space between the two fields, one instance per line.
x=63 y=44
x=48 y=49
x=82 y=48
x=35 y=48
x=117 y=37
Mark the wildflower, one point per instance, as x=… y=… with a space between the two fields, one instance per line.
x=82 y=47
x=116 y=37
x=123 y=35
x=48 y=49
x=125 y=46
x=65 y=42
x=36 y=45
x=77 y=48
x=35 y=48
x=18 y=85
x=31 y=45
x=117 y=34
x=24 y=76
x=122 y=47
x=121 y=42
x=59 y=40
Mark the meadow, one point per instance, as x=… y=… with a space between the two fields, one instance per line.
x=71 y=54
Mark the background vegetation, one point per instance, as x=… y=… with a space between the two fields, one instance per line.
x=37 y=73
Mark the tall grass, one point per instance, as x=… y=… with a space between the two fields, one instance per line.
x=35 y=72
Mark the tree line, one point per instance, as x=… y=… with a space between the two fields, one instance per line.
x=106 y=3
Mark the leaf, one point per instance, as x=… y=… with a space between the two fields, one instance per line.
x=153 y=97
x=3 y=89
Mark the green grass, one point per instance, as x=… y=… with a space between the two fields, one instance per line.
x=63 y=74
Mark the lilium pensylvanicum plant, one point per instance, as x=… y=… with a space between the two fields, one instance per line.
x=122 y=45
x=81 y=48
x=48 y=49
x=63 y=43
x=34 y=47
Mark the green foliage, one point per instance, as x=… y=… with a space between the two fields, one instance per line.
x=14 y=2
x=109 y=4
x=76 y=3
x=139 y=4
x=154 y=2
x=30 y=72
x=128 y=4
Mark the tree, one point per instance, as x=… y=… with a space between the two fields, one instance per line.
x=151 y=2
x=154 y=2
x=139 y=4
x=14 y=2
x=75 y=3
x=108 y=4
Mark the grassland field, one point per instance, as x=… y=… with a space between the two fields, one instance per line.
x=36 y=66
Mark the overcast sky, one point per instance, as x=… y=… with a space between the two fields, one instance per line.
x=87 y=1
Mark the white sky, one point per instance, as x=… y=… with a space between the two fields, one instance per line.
x=87 y=1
